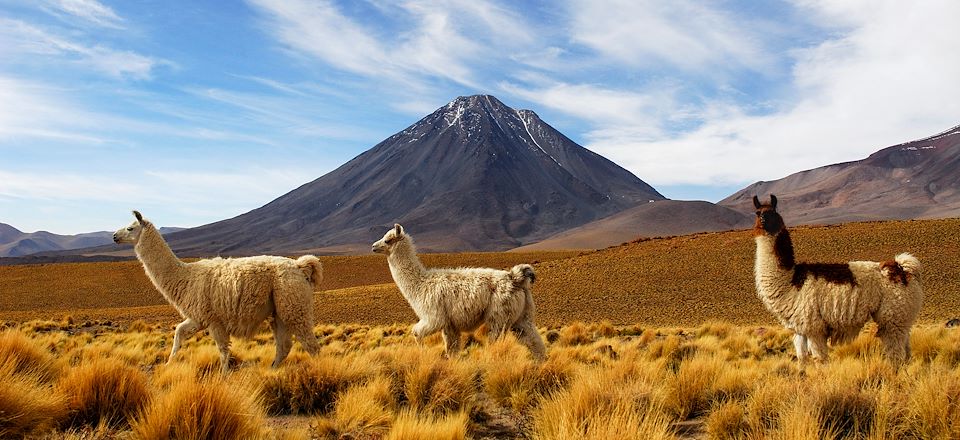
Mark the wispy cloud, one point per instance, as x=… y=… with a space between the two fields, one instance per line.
x=24 y=42
x=887 y=74
x=64 y=186
x=435 y=40
x=33 y=110
x=689 y=35
x=91 y=11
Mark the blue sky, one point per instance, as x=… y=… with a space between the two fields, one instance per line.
x=197 y=111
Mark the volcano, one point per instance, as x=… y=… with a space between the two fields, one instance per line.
x=473 y=175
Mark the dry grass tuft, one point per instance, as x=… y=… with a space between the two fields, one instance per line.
x=362 y=411
x=23 y=355
x=27 y=403
x=846 y=412
x=601 y=405
x=514 y=381
x=411 y=426
x=438 y=386
x=104 y=392
x=311 y=386
x=933 y=405
x=208 y=409
x=727 y=421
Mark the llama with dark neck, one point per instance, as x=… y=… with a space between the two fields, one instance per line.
x=832 y=301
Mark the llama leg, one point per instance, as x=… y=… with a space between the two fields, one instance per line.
x=283 y=340
x=222 y=338
x=185 y=330
x=495 y=330
x=424 y=328
x=800 y=345
x=896 y=343
x=308 y=340
x=818 y=346
x=451 y=340
x=528 y=335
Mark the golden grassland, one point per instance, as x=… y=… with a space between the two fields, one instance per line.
x=600 y=381
x=675 y=281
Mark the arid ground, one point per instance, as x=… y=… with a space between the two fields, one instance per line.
x=660 y=338
x=675 y=281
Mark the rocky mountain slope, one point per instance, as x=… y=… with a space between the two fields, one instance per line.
x=918 y=179
x=473 y=175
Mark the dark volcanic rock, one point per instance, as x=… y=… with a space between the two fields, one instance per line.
x=473 y=175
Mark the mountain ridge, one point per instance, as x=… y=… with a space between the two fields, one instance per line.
x=910 y=180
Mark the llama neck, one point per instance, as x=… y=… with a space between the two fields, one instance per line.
x=773 y=267
x=406 y=268
x=159 y=262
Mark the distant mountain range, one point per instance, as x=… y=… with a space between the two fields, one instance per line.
x=14 y=243
x=478 y=175
x=918 y=179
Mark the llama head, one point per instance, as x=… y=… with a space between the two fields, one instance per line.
x=768 y=219
x=131 y=233
x=386 y=244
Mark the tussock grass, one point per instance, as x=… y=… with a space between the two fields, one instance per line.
x=713 y=381
x=412 y=426
x=104 y=392
x=27 y=402
x=23 y=356
x=205 y=409
x=310 y=386
x=602 y=404
x=365 y=410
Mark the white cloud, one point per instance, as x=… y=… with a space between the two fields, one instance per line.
x=78 y=202
x=31 y=44
x=89 y=10
x=642 y=114
x=886 y=75
x=439 y=40
x=64 y=186
x=686 y=34
x=32 y=110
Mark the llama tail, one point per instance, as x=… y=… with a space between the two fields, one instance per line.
x=522 y=273
x=312 y=268
x=909 y=263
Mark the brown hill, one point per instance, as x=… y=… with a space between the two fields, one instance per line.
x=678 y=281
x=918 y=179
x=655 y=219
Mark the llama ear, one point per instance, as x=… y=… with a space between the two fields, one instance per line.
x=138 y=216
x=773 y=201
x=756 y=202
x=398 y=229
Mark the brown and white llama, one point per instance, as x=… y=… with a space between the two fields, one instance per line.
x=458 y=300
x=230 y=296
x=827 y=301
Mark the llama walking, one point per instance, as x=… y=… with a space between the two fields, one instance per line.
x=833 y=301
x=230 y=296
x=458 y=300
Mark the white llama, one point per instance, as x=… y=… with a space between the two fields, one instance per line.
x=461 y=299
x=230 y=296
x=833 y=301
